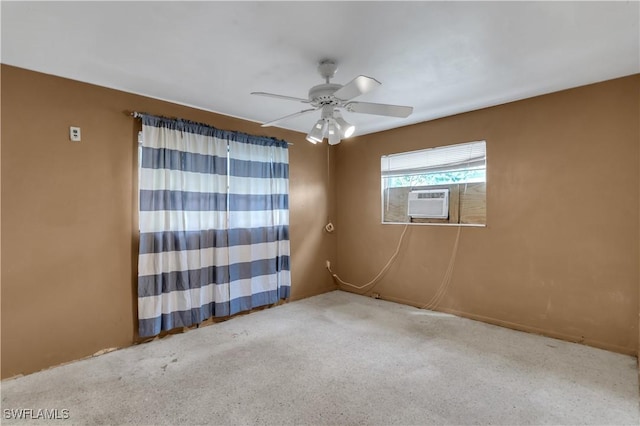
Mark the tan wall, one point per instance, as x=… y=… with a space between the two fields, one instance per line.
x=559 y=255
x=69 y=216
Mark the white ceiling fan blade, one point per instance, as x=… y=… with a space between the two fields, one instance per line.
x=356 y=87
x=379 y=109
x=296 y=114
x=273 y=95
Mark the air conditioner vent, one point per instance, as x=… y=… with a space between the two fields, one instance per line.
x=438 y=194
x=429 y=204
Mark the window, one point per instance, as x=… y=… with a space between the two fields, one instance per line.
x=445 y=185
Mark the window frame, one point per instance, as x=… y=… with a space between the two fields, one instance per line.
x=383 y=187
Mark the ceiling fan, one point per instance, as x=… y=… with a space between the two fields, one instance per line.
x=330 y=98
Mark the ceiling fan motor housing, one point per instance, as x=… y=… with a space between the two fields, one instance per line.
x=322 y=94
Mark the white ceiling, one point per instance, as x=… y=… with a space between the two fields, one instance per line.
x=442 y=58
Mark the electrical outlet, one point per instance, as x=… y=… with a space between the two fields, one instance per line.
x=74 y=134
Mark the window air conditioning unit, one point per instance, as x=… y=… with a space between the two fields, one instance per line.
x=429 y=204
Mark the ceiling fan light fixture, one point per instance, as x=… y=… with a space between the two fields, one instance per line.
x=346 y=128
x=317 y=132
x=312 y=140
x=333 y=133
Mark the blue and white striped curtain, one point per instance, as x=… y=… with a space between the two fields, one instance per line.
x=214 y=223
x=258 y=223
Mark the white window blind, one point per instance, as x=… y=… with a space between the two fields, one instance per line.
x=464 y=156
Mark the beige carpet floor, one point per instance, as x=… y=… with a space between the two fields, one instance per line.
x=338 y=359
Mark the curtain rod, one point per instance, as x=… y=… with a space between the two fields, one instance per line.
x=136 y=114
